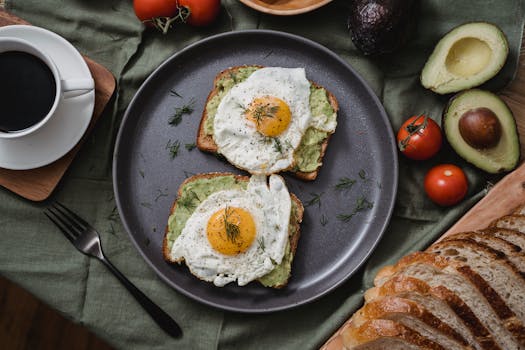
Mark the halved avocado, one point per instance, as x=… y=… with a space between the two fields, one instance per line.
x=467 y=56
x=482 y=130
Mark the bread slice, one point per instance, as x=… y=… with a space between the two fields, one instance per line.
x=513 y=222
x=206 y=143
x=386 y=334
x=294 y=225
x=413 y=315
x=506 y=329
x=501 y=247
x=493 y=266
x=512 y=236
x=443 y=303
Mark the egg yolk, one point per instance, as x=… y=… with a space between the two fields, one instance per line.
x=271 y=115
x=231 y=230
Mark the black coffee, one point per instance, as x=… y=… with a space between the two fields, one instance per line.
x=27 y=90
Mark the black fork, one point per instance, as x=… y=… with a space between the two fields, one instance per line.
x=86 y=239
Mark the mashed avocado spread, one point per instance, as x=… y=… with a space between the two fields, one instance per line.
x=194 y=192
x=308 y=153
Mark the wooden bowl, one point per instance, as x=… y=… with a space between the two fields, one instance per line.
x=285 y=7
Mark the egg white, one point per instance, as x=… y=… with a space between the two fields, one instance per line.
x=270 y=208
x=237 y=138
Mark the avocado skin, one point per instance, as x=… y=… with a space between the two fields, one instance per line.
x=382 y=26
x=474 y=156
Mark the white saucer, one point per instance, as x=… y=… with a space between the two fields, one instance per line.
x=72 y=116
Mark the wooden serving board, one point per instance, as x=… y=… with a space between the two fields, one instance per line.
x=38 y=184
x=285 y=7
x=502 y=198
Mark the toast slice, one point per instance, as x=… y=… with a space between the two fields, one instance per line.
x=233 y=181
x=221 y=84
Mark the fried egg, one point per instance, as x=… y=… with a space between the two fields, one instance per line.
x=237 y=235
x=260 y=122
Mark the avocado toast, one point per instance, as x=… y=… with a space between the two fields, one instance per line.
x=194 y=190
x=308 y=156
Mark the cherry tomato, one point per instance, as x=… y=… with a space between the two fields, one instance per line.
x=201 y=12
x=446 y=184
x=147 y=10
x=419 y=137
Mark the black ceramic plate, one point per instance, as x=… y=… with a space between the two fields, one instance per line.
x=330 y=250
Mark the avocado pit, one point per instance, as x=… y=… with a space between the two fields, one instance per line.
x=480 y=128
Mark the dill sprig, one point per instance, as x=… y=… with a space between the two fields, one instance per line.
x=173 y=148
x=264 y=111
x=361 y=204
x=362 y=174
x=316 y=199
x=323 y=220
x=176 y=118
x=146 y=205
x=190 y=146
x=232 y=230
x=260 y=241
x=175 y=93
x=160 y=194
x=188 y=201
x=113 y=216
x=277 y=145
x=344 y=183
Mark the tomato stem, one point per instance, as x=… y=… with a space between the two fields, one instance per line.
x=164 y=23
x=412 y=129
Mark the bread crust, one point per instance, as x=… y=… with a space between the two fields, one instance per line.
x=207 y=144
x=401 y=285
x=392 y=307
x=376 y=329
x=295 y=221
x=501 y=309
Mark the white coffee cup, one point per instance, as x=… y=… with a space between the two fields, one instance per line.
x=73 y=87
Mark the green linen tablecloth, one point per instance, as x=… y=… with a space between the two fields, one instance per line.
x=34 y=255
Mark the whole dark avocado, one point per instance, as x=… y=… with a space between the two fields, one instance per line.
x=381 y=26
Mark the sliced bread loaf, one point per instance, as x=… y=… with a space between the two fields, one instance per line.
x=413 y=315
x=443 y=303
x=437 y=271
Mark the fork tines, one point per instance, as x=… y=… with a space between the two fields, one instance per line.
x=67 y=221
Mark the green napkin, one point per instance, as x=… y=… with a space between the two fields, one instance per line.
x=36 y=256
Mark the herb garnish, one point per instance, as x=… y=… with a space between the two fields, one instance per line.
x=188 y=173
x=344 y=183
x=262 y=246
x=175 y=93
x=277 y=145
x=173 y=147
x=264 y=111
x=232 y=230
x=141 y=172
x=316 y=199
x=176 y=118
x=160 y=194
x=362 y=174
x=146 y=205
x=323 y=220
x=187 y=201
x=361 y=204
x=190 y=146
x=113 y=216
x=233 y=77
